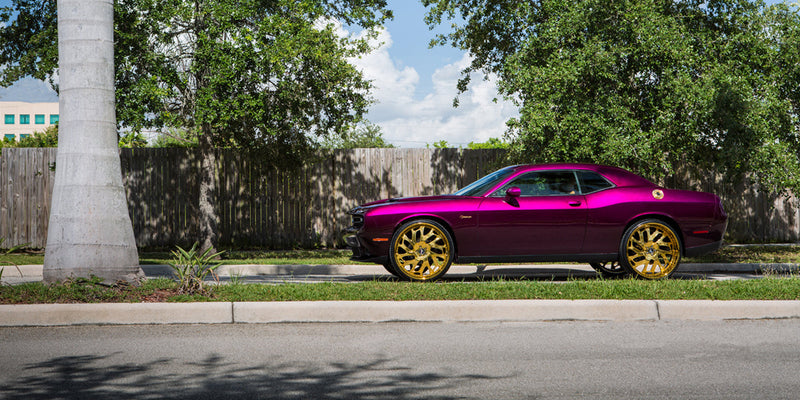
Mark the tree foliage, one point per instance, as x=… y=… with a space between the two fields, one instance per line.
x=262 y=75
x=364 y=136
x=492 y=143
x=46 y=138
x=649 y=85
x=441 y=144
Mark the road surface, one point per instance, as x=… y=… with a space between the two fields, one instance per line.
x=543 y=360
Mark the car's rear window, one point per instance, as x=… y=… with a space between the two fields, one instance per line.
x=592 y=182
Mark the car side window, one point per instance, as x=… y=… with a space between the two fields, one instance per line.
x=542 y=183
x=592 y=182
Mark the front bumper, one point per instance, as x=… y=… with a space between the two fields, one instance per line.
x=362 y=251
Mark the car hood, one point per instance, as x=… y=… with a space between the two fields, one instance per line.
x=395 y=200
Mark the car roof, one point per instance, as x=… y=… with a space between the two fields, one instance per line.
x=617 y=176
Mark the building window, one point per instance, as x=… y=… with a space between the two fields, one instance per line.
x=39 y=119
x=10 y=119
x=10 y=137
x=53 y=119
x=24 y=135
x=24 y=119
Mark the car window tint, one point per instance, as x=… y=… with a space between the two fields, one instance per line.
x=592 y=182
x=482 y=185
x=542 y=183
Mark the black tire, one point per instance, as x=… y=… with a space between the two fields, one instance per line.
x=388 y=267
x=650 y=249
x=421 y=250
x=610 y=269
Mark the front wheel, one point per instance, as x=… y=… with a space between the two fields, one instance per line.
x=650 y=249
x=421 y=250
x=388 y=267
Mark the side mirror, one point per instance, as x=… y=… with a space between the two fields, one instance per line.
x=513 y=192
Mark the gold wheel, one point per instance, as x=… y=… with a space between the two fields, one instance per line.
x=651 y=249
x=421 y=250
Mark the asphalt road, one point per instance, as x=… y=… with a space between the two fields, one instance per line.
x=549 y=360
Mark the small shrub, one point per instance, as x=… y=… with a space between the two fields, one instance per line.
x=9 y=251
x=192 y=268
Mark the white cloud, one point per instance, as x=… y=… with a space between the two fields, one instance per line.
x=408 y=121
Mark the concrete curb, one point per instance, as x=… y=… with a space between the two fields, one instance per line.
x=115 y=314
x=728 y=309
x=32 y=272
x=446 y=311
x=388 y=311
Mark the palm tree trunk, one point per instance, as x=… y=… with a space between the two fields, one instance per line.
x=208 y=213
x=90 y=231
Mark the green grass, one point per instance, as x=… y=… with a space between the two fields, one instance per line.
x=752 y=254
x=91 y=291
x=728 y=254
x=86 y=291
x=21 y=259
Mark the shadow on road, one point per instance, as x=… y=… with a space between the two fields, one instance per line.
x=104 y=377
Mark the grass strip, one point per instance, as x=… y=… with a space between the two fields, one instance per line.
x=770 y=288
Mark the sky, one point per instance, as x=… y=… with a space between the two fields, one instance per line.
x=414 y=87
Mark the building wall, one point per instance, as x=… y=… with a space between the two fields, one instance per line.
x=19 y=118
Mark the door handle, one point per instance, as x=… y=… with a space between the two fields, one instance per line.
x=574 y=203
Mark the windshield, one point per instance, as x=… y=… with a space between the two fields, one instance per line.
x=480 y=186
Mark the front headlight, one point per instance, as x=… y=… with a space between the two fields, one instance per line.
x=357 y=217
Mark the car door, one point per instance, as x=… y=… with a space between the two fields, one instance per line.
x=547 y=218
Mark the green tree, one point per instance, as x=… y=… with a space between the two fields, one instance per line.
x=267 y=76
x=649 y=85
x=364 y=136
x=492 y=143
x=175 y=138
x=441 y=144
x=46 y=138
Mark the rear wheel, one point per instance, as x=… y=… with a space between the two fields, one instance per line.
x=650 y=249
x=610 y=269
x=421 y=250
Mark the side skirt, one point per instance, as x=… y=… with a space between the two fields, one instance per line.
x=604 y=257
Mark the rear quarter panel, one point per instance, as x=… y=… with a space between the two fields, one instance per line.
x=612 y=211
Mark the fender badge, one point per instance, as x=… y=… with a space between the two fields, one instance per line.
x=658 y=194
x=465 y=216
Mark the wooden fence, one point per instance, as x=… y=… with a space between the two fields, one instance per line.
x=259 y=206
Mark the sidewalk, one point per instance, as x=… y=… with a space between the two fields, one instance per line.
x=386 y=311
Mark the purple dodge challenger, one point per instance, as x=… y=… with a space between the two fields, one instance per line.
x=618 y=222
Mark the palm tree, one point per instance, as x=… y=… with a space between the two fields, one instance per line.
x=90 y=231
